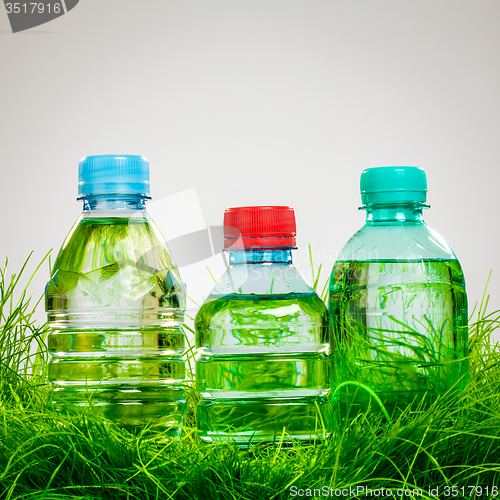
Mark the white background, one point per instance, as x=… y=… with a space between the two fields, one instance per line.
x=257 y=102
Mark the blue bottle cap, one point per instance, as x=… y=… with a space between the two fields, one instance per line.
x=113 y=174
x=393 y=185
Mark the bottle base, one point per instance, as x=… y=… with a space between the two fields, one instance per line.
x=264 y=420
x=133 y=408
x=355 y=401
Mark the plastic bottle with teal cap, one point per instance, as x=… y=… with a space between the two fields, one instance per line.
x=115 y=304
x=397 y=301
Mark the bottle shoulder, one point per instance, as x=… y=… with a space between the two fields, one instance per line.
x=105 y=261
x=96 y=241
x=260 y=311
x=277 y=302
x=277 y=289
x=262 y=280
x=396 y=242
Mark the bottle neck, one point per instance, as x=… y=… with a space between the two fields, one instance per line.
x=248 y=256
x=96 y=202
x=394 y=213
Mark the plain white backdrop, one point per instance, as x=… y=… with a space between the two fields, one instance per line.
x=254 y=102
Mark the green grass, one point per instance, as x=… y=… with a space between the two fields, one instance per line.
x=455 y=442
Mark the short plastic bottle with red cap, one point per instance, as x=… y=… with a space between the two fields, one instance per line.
x=264 y=364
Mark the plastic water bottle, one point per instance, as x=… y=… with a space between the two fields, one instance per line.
x=264 y=366
x=397 y=301
x=115 y=304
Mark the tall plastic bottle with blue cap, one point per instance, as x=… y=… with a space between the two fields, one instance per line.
x=397 y=301
x=115 y=304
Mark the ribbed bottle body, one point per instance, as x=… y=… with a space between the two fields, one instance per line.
x=264 y=363
x=115 y=305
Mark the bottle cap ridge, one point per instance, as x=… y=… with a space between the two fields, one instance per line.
x=113 y=174
x=259 y=227
x=393 y=185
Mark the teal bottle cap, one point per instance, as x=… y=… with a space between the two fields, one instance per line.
x=393 y=185
x=113 y=174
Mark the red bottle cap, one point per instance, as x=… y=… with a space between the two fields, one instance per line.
x=259 y=227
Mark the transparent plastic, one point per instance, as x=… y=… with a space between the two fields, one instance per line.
x=264 y=365
x=115 y=304
x=398 y=310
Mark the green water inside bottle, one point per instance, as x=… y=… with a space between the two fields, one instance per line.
x=400 y=329
x=115 y=306
x=264 y=368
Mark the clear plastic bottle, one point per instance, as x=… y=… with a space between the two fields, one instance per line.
x=115 y=304
x=264 y=364
x=397 y=301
